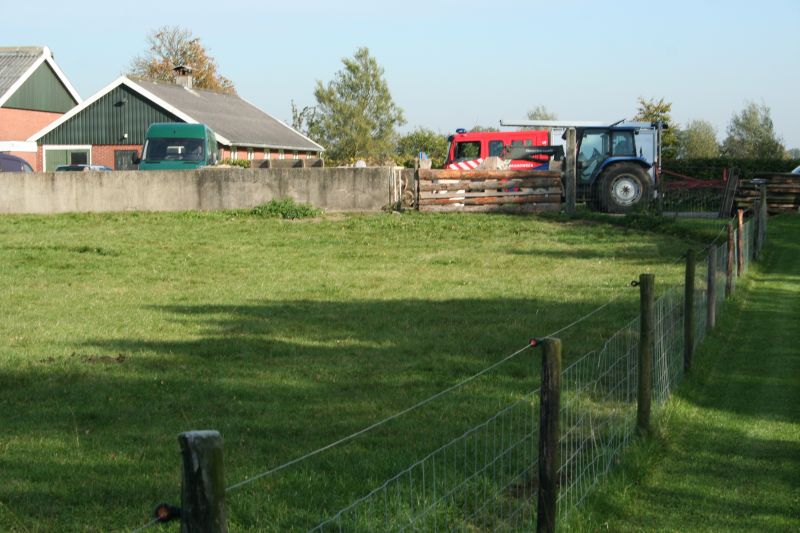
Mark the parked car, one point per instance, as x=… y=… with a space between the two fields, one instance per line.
x=796 y=171
x=80 y=168
x=12 y=163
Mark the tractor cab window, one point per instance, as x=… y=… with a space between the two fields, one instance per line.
x=594 y=150
x=468 y=150
x=496 y=148
x=622 y=144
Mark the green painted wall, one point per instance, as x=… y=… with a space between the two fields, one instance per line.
x=107 y=120
x=43 y=91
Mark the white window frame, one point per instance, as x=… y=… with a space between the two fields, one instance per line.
x=250 y=154
x=46 y=147
x=266 y=153
x=234 y=152
x=281 y=154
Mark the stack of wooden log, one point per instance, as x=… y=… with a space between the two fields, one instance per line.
x=783 y=192
x=527 y=191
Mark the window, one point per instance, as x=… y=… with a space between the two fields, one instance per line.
x=266 y=153
x=594 y=150
x=468 y=150
x=250 y=154
x=295 y=155
x=496 y=148
x=234 y=152
x=622 y=144
x=281 y=154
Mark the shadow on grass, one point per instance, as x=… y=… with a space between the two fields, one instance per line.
x=277 y=379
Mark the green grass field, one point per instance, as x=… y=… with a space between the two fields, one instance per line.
x=122 y=330
x=727 y=454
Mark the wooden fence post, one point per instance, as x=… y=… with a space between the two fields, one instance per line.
x=712 y=289
x=571 y=172
x=729 y=263
x=203 y=490
x=688 y=311
x=740 y=242
x=549 y=414
x=646 y=344
x=764 y=211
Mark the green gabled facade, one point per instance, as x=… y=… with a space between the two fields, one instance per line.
x=119 y=112
x=42 y=91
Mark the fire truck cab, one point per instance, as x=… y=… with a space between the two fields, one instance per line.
x=467 y=150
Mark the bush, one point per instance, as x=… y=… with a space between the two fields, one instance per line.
x=244 y=163
x=711 y=169
x=285 y=208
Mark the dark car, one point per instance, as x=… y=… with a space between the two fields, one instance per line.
x=80 y=168
x=12 y=163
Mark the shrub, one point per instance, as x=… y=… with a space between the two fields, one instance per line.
x=244 y=163
x=285 y=208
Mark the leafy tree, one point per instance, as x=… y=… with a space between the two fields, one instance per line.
x=651 y=111
x=752 y=135
x=171 y=46
x=422 y=140
x=303 y=119
x=540 y=112
x=355 y=114
x=697 y=141
x=793 y=153
x=479 y=128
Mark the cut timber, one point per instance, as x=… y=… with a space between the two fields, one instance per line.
x=425 y=174
x=531 y=198
x=481 y=194
x=507 y=208
x=430 y=185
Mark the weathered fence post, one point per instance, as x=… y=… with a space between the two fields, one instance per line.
x=688 y=311
x=756 y=228
x=740 y=242
x=549 y=414
x=646 y=344
x=712 y=288
x=764 y=211
x=729 y=263
x=203 y=491
x=571 y=172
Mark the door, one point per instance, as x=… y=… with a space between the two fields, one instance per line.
x=123 y=159
x=593 y=151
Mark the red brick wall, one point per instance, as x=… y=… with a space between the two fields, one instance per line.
x=19 y=124
x=104 y=154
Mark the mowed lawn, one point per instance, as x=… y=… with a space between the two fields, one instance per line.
x=120 y=331
x=727 y=456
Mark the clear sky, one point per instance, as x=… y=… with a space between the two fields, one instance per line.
x=453 y=64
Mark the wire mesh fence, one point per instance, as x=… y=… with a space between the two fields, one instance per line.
x=486 y=478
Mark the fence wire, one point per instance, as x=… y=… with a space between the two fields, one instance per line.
x=486 y=478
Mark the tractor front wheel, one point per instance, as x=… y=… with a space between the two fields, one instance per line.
x=624 y=188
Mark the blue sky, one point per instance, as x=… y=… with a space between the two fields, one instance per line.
x=453 y=64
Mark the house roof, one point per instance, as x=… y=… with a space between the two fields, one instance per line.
x=235 y=121
x=18 y=63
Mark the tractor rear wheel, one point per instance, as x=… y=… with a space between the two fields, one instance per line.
x=624 y=188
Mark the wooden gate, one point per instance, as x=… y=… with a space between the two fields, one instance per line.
x=519 y=191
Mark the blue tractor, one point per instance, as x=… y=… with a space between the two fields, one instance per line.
x=618 y=165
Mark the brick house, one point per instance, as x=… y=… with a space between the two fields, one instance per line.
x=109 y=127
x=33 y=93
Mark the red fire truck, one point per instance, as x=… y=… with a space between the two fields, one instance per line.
x=468 y=150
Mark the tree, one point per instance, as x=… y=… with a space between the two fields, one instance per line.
x=356 y=116
x=303 y=119
x=540 y=112
x=479 y=128
x=422 y=140
x=793 y=153
x=697 y=141
x=652 y=111
x=171 y=46
x=752 y=135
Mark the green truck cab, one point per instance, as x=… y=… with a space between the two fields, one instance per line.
x=178 y=146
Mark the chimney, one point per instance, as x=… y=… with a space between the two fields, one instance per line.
x=183 y=75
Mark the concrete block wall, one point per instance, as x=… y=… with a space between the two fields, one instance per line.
x=332 y=189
